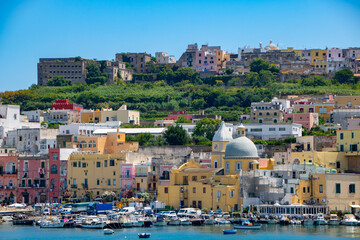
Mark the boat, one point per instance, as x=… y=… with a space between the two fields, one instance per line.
x=208 y=220
x=308 y=222
x=230 y=231
x=144 y=235
x=295 y=222
x=185 y=222
x=174 y=222
x=350 y=220
x=93 y=222
x=246 y=224
x=160 y=222
x=320 y=220
x=197 y=222
x=53 y=223
x=7 y=219
x=333 y=220
x=108 y=231
x=28 y=222
x=221 y=221
x=284 y=220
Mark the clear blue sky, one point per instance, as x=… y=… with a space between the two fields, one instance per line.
x=30 y=30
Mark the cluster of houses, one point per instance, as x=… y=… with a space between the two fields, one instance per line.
x=208 y=61
x=89 y=155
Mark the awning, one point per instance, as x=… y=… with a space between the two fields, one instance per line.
x=355 y=206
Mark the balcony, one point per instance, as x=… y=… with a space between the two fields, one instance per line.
x=127 y=176
x=74 y=186
x=164 y=178
x=9 y=173
x=141 y=175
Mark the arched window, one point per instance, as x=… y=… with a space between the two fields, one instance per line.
x=55 y=156
x=83 y=144
x=54 y=169
x=10 y=183
x=215 y=164
x=11 y=167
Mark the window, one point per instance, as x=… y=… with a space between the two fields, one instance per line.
x=271 y=129
x=337 y=164
x=338 y=188
x=194 y=190
x=308 y=189
x=114 y=182
x=341 y=135
x=304 y=189
x=97 y=182
x=53 y=169
x=194 y=178
x=267 y=114
x=260 y=113
x=215 y=164
x=74 y=164
x=42 y=164
x=109 y=182
x=84 y=164
x=227 y=166
x=105 y=163
x=352 y=188
x=55 y=156
x=341 y=148
x=114 y=173
x=321 y=188
x=238 y=166
x=291 y=190
x=112 y=163
x=352 y=135
x=204 y=189
x=98 y=164
x=29 y=183
x=166 y=190
x=232 y=193
x=281 y=129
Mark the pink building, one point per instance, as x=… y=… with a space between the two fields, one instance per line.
x=205 y=61
x=307 y=120
x=176 y=114
x=164 y=123
x=55 y=185
x=33 y=179
x=8 y=178
x=127 y=177
x=165 y=174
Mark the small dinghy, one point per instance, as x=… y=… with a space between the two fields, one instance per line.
x=108 y=231
x=230 y=231
x=144 y=235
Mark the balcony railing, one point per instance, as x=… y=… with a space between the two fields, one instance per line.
x=141 y=175
x=164 y=178
x=127 y=176
x=74 y=186
x=9 y=172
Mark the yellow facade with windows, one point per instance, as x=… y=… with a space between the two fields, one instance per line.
x=94 y=173
x=319 y=59
x=334 y=160
x=141 y=177
x=221 y=58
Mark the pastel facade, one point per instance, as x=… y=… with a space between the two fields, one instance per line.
x=334 y=160
x=94 y=173
x=127 y=177
x=8 y=178
x=205 y=61
x=319 y=60
x=347 y=101
x=307 y=120
x=347 y=142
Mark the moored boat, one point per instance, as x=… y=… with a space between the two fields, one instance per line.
x=246 y=224
x=230 y=231
x=144 y=235
x=108 y=231
x=185 y=222
x=53 y=223
x=174 y=222
x=320 y=220
x=350 y=220
x=334 y=220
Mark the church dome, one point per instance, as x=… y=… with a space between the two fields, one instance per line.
x=241 y=147
x=223 y=134
x=271 y=46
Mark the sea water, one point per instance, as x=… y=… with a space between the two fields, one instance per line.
x=268 y=232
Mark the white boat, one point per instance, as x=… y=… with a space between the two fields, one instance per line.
x=174 y=222
x=93 y=222
x=320 y=220
x=246 y=224
x=53 y=223
x=160 y=224
x=209 y=221
x=108 y=231
x=334 y=220
x=308 y=222
x=7 y=219
x=221 y=221
x=350 y=220
x=185 y=222
x=295 y=222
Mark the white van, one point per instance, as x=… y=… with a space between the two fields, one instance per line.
x=127 y=211
x=189 y=212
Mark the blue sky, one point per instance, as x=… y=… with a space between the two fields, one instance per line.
x=30 y=30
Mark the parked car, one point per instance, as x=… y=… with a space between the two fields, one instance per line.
x=65 y=211
x=46 y=211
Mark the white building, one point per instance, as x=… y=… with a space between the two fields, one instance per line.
x=86 y=128
x=162 y=57
x=273 y=131
x=132 y=131
x=10 y=119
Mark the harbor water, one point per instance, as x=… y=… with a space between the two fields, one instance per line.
x=268 y=232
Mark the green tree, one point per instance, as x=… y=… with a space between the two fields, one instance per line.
x=206 y=127
x=182 y=119
x=344 y=76
x=260 y=64
x=198 y=103
x=176 y=135
x=229 y=71
x=58 y=81
x=144 y=138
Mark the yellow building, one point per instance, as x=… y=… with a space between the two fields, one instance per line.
x=221 y=58
x=347 y=142
x=334 y=160
x=141 y=177
x=324 y=109
x=298 y=53
x=103 y=144
x=310 y=191
x=192 y=185
x=347 y=101
x=319 y=59
x=107 y=114
x=94 y=173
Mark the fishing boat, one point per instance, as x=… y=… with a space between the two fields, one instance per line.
x=208 y=220
x=230 y=231
x=53 y=223
x=185 y=222
x=144 y=235
x=246 y=224
x=93 y=223
x=334 y=220
x=160 y=222
x=108 y=231
x=284 y=220
x=320 y=220
x=350 y=220
x=174 y=222
x=221 y=221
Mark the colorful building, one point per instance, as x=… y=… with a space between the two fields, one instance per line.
x=221 y=58
x=64 y=104
x=307 y=120
x=347 y=142
x=319 y=60
x=90 y=175
x=8 y=178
